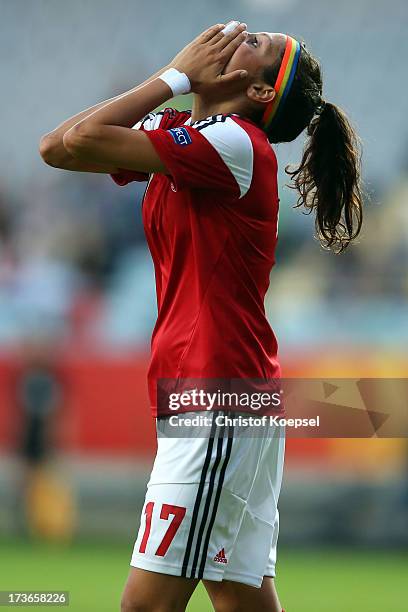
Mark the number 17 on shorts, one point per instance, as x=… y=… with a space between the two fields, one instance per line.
x=172 y=515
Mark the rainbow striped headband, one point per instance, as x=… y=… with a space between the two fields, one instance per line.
x=284 y=80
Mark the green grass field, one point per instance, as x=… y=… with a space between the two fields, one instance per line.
x=316 y=581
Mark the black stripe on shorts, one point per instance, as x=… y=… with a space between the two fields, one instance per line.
x=198 y=499
x=217 y=461
x=216 y=502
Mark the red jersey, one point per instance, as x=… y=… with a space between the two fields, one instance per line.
x=211 y=226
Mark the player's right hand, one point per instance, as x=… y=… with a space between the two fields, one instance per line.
x=204 y=59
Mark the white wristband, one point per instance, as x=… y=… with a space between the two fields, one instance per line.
x=178 y=82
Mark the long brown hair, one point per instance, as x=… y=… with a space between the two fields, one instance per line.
x=328 y=178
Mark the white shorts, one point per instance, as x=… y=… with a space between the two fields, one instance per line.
x=211 y=505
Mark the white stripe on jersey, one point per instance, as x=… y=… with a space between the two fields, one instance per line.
x=234 y=146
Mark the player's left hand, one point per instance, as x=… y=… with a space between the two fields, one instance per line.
x=204 y=59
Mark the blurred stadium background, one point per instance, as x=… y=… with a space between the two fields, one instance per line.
x=77 y=306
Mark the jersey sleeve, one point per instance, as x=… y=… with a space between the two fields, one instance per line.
x=152 y=121
x=215 y=154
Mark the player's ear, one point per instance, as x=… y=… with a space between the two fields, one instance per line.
x=261 y=92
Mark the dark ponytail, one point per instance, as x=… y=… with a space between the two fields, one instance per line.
x=328 y=176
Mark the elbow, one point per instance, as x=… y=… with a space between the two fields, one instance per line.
x=52 y=151
x=49 y=150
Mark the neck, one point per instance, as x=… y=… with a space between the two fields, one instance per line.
x=206 y=108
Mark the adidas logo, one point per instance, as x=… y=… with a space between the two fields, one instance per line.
x=220 y=557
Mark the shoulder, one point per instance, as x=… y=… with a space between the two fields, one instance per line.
x=236 y=141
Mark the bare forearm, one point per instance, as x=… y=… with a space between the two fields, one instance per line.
x=104 y=136
x=52 y=147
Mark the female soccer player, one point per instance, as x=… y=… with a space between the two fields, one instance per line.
x=210 y=214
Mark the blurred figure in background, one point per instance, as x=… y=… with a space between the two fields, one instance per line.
x=47 y=502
